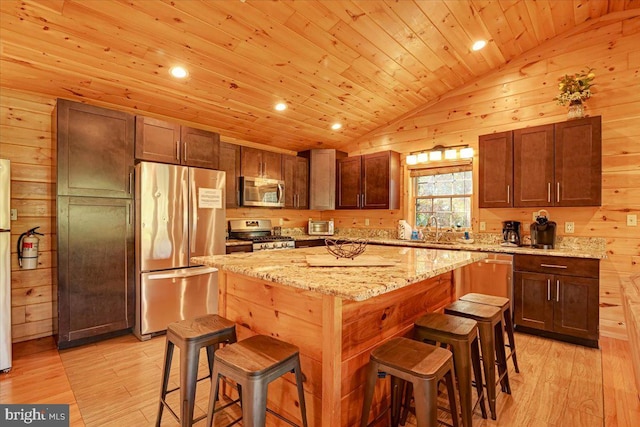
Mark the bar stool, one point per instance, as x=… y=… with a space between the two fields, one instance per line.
x=190 y=336
x=490 y=327
x=253 y=363
x=505 y=306
x=462 y=335
x=420 y=364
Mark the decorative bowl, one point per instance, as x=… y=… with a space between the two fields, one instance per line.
x=341 y=248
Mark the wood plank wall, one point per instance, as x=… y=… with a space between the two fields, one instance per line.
x=519 y=95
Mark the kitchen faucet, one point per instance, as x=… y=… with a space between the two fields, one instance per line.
x=431 y=220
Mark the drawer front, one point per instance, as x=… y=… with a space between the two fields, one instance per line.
x=583 y=267
x=239 y=248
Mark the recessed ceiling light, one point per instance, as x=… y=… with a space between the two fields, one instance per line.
x=336 y=126
x=479 y=44
x=179 y=72
x=281 y=106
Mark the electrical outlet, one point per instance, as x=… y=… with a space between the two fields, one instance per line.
x=632 y=220
x=366 y=221
x=483 y=226
x=534 y=215
x=569 y=227
x=281 y=222
x=14 y=214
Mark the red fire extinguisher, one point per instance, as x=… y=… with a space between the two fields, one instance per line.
x=28 y=249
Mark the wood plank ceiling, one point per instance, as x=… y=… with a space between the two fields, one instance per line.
x=361 y=63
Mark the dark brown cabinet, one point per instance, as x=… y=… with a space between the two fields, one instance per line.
x=95 y=150
x=95 y=241
x=309 y=243
x=230 y=163
x=557 y=297
x=95 y=268
x=261 y=163
x=322 y=177
x=165 y=142
x=295 y=171
x=558 y=164
x=370 y=181
x=496 y=170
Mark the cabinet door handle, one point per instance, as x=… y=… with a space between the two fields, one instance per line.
x=557 y=290
x=178 y=150
x=508 y=193
x=558 y=192
x=264 y=169
x=130 y=182
x=548 y=192
x=553 y=266
x=184 y=155
x=358 y=201
x=548 y=289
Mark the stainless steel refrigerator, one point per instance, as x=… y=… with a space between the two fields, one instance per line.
x=180 y=213
x=5 y=265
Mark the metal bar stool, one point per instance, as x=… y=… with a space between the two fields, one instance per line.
x=462 y=336
x=420 y=364
x=190 y=336
x=505 y=306
x=253 y=363
x=490 y=327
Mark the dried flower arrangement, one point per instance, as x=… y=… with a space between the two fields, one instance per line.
x=575 y=87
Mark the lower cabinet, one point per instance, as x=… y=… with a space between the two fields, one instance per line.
x=95 y=268
x=557 y=297
x=309 y=243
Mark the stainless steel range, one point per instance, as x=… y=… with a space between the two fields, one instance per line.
x=258 y=231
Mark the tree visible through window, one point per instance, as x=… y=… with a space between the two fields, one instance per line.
x=447 y=196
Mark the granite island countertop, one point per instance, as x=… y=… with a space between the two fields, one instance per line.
x=586 y=249
x=289 y=267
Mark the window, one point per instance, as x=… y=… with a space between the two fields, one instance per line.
x=444 y=193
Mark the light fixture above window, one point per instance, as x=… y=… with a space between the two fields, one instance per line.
x=178 y=72
x=440 y=153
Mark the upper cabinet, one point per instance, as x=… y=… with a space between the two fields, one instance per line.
x=230 y=163
x=370 y=181
x=165 y=142
x=261 y=163
x=551 y=165
x=295 y=171
x=322 y=177
x=496 y=170
x=95 y=150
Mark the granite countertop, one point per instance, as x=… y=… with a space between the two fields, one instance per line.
x=352 y=283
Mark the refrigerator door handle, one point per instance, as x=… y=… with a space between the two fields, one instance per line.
x=185 y=272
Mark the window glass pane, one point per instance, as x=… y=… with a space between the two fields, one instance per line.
x=446 y=196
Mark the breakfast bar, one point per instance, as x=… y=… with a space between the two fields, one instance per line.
x=335 y=314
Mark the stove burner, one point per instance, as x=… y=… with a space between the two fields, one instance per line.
x=270 y=238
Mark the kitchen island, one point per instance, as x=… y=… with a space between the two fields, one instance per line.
x=335 y=315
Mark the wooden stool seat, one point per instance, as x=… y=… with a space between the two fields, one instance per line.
x=253 y=363
x=190 y=336
x=505 y=306
x=462 y=336
x=489 y=319
x=420 y=364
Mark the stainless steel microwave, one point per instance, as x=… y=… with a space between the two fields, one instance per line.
x=261 y=192
x=320 y=228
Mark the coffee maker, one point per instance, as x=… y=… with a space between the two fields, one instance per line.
x=543 y=233
x=510 y=233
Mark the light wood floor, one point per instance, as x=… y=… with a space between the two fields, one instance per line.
x=116 y=382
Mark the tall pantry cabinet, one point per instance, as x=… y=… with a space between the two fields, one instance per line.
x=95 y=239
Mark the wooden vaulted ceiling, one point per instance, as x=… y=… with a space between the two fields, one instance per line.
x=359 y=62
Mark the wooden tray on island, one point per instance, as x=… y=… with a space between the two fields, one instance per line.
x=359 y=261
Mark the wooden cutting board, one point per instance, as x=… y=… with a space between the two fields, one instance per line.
x=359 y=261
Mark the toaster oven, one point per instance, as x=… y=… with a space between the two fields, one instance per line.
x=320 y=227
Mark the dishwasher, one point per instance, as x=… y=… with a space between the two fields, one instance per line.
x=491 y=276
